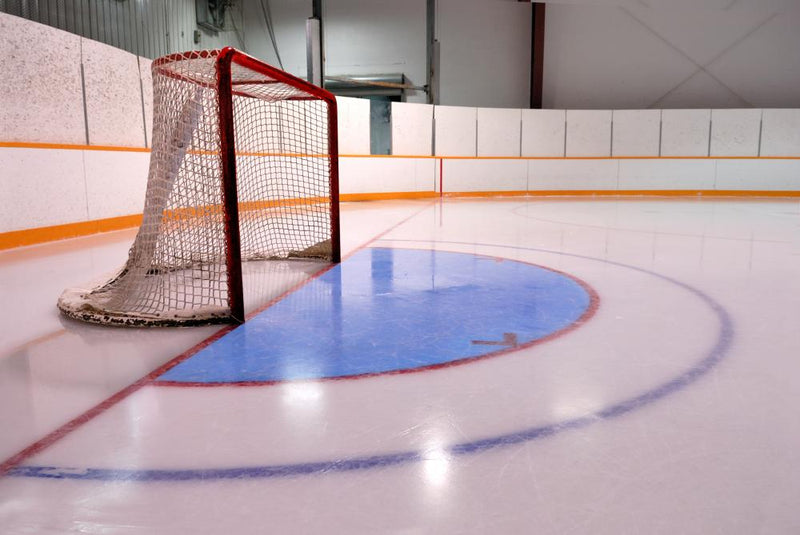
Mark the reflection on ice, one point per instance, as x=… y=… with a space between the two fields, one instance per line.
x=436 y=465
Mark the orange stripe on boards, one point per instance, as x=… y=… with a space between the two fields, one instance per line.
x=627 y=193
x=19 y=238
x=398 y=195
x=247 y=206
x=262 y=154
x=567 y=158
x=693 y=193
x=579 y=158
x=519 y=193
x=112 y=148
x=393 y=156
x=283 y=154
x=199 y=212
x=67 y=146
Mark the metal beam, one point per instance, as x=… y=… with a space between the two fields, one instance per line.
x=537 y=53
x=315 y=45
x=431 y=54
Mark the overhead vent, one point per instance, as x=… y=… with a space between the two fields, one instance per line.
x=211 y=14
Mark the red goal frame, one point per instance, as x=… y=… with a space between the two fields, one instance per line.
x=225 y=58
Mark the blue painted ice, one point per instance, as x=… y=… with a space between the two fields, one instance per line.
x=388 y=310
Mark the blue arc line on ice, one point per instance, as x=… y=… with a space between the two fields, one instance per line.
x=717 y=352
x=392 y=311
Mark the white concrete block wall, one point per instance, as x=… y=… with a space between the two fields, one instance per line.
x=499 y=132
x=780 y=133
x=484 y=49
x=455 y=131
x=544 y=132
x=353 y=118
x=685 y=132
x=41 y=99
x=636 y=133
x=588 y=133
x=412 y=129
x=647 y=54
x=360 y=37
x=735 y=132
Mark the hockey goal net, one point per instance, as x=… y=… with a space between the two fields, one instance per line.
x=244 y=166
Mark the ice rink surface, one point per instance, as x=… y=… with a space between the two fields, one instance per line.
x=664 y=399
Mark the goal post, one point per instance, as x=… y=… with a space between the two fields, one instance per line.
x=243 y=167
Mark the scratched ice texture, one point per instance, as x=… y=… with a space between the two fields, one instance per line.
x=670 y=410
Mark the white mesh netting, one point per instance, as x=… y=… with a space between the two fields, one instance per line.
x=176 y=270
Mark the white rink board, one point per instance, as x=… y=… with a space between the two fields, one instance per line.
x=115 y=182
x=572 y=174
x=41 y=187
x=685 y=132
x=543 y=132
x=146 y=75
x=113 y=109
x=386 y=175
x=766 y=175
x=455 y=131
x=780 y=133
x=353 y=118
x=412 y=129
x=636 y=133
x=735 y=132
x=588 y=133
x=43 y=103
x=666 y=174
x=484 y=175
x=41 y=100
x=499 y=132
